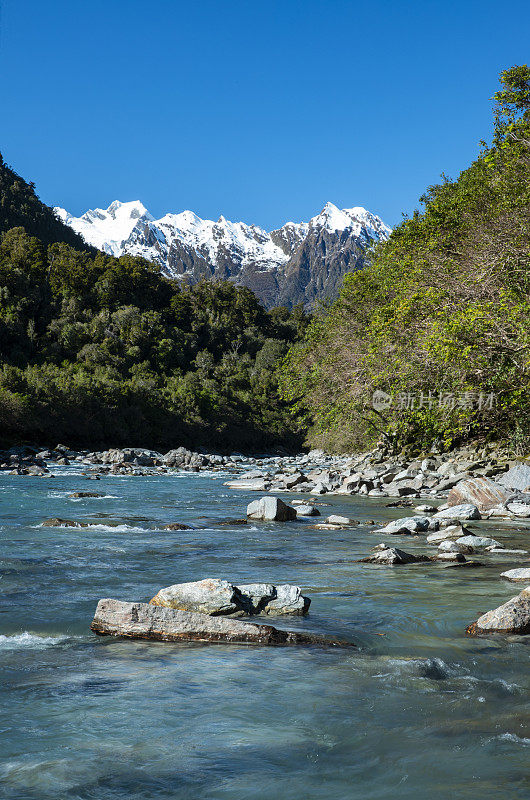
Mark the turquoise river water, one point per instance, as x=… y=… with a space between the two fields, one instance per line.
x=418 y=710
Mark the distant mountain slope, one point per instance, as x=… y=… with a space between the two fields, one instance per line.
x=20 y=207
x=298 y=263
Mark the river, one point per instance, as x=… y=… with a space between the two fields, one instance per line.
x=418 y=710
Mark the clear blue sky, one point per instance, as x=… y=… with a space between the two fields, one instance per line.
x=261 y=111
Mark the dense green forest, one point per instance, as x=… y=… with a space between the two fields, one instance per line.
x=104 y=351
x=440 y=320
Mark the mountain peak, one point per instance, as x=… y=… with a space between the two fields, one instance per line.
x=188 y=247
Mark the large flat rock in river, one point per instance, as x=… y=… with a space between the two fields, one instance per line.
x=145 y=621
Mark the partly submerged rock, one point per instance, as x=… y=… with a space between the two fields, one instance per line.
x=522 y=574
x=337 y=519
x=481 y=492
x=511 y=617
x=477 y=542
x=146 y=621
x=210 y=596
x=56 y=522
x=80 y=495
x=463 y=511
x=406 y=525
x=306 y=510
x=217 y=597
x=270 y=509
x=176 y=526
x=394 y=556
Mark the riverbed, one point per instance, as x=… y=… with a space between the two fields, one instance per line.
x=417 y=710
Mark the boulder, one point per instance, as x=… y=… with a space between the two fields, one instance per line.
x=177 y=526
x=477 y=542
x=450 y=546
x=252 y=484
x=406 y=525
x=517 y=478
x=80 y=495
x=393 y=556
x=336 y=519
x=450 y=532
x=457 y=557
x=463 y=511
x=307 y=511
x=511 y=617
x=519 y=507
x=209 y=596
x=56 y=522
x=146 y=621
x=217 y=597
x=481 y=492
x=270 y=509
x=522 y=574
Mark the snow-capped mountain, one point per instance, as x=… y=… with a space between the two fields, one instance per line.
x=297 y=263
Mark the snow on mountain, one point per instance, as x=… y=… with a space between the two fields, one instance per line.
x=188 y=247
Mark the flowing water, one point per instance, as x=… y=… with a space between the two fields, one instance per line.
x=417 y=711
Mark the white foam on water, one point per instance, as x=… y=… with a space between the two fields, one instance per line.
x=30 y=641
x=102 y=497
x=512 y=737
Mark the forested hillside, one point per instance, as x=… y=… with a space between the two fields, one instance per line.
x=97 y=350
x=440 y=320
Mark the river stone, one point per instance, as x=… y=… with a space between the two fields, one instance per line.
x=450 y=532
x=253 y=484
x=481 y=492
x=519 y=508
x=209 y=596
x=307 y=511
x=517 y=477
x=449 y=546
x=393 y=556
x=145 y=621
x=270 y=509
x=56 y=522
x=521 y=574
x=463 y=511
x=80 y=495
x=457 y=557
x=336 y=519
x=406 y=525
x=288 y=600
x=477 y=542
x=177 y=526
x=220 y=598
x=511 y=617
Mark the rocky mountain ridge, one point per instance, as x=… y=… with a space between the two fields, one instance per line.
x=297 y=263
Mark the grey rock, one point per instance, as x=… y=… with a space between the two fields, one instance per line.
x=307 y=511
x=393 y=556
x=511 y=617
x=337 y=519
x=209 y=596
x=270 y=509
x=145 y=621
x=478 y=542
x=522 y=574
x=217 y=597
x=517 y=477
x=463 y=511
x=406 y=525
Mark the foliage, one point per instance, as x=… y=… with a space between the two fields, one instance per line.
x=98 y=350
x=444 y=307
